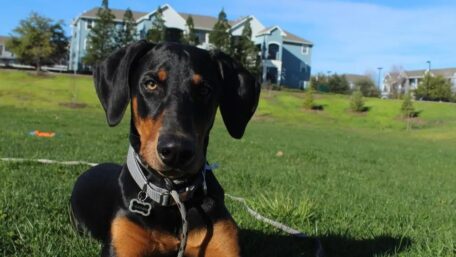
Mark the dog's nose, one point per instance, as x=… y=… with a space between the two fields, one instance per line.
x=174 y=151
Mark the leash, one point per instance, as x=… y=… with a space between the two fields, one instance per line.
x=182 y=211
x=161 y=195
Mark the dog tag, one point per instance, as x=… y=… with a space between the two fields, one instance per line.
x=140 y=207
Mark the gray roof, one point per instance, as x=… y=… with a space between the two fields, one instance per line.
x=353 y=78
x=201 y=21
x=446 y=72
x=204 y=21
x=289 y=37
x=92 y=13
x=3 y=39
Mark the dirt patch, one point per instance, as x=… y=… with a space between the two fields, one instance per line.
x=73 y=105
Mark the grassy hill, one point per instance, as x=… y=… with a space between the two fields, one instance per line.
x=361 y=183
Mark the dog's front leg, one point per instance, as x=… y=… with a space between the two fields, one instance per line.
x=218 y=240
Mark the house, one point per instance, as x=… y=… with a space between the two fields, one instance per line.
x=399 y=82
x=6 y=57
x=286 y=58
x=352 y=79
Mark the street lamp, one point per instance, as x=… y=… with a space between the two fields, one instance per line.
x=428 y=77
x=379 y=75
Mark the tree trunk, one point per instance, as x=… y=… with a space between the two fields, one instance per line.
x=38 y=67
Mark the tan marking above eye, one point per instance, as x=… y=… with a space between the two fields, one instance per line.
x=162 y=75
x=197 y=79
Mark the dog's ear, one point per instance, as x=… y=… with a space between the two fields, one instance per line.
x=240 y=94
x=112 y=76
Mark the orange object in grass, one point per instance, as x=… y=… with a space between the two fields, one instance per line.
x=43 y=134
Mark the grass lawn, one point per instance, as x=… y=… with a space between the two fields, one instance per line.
x=362 y=184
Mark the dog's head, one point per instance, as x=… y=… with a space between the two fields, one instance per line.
x=174 y=92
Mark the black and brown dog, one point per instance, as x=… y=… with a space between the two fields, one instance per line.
x=174 y=91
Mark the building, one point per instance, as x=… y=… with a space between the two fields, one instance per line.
x=6 y=57
x=286 y=58
x=400 y=82
x=352 y=79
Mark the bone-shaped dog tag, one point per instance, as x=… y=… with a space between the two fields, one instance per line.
x=140 y=207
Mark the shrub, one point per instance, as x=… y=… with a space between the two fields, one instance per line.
x=309 y=99
x=357 y=102
x=407 y=108
x=434 y=89
x=367 y=87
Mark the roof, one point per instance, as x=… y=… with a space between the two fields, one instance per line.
x=204 y=21
x=287 y=36
x=200 y=21
x=118 y=14
x=268 y=30
x=354 y=77
x=446 y=72
x=290 y=37
x=3 y=39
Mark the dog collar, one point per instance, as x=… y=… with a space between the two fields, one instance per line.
x=160 y=195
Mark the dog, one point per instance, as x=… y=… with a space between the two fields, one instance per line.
x=165 y=200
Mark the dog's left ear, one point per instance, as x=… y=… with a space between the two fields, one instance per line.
x=240 y=94
x=112 y=77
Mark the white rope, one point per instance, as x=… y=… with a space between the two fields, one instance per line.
x=271 y=222
x=47 y=161
x=291 y=231
x=255 y=214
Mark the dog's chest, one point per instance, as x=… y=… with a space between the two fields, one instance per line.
x=130 y=239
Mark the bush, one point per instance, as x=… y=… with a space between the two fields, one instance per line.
x=338 y=84
x=367 y=87
x=407 y=108
x=309 y=99
x=434 y=89
x=357 y=102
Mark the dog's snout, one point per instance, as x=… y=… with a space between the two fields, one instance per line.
x=175 y=151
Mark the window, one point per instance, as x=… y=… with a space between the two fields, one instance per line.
x=273 y=49
x=85 y=44
x=173 y=35
x=305 y=49
x=1 y=50
x=89 y=24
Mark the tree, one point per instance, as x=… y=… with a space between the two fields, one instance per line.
x=244 y=50
x=434 y=89
x=127 y=33
x=367 y=87
x=38 y=41
x=60 y=44
x=157 y=31
x=191 y=38
x=319 y=82
x=309 y=99
x=100 y=41
x=407 y=108
x=220 y=35
x=338 y=84
x=357 y=102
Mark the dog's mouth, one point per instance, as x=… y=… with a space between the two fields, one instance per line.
x=182 y=173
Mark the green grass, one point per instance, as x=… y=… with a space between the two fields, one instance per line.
x=362 y=184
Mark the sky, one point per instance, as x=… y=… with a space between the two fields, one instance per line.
x=349 y=36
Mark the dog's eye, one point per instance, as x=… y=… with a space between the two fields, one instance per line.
x=205 y=91
x=151 y=84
